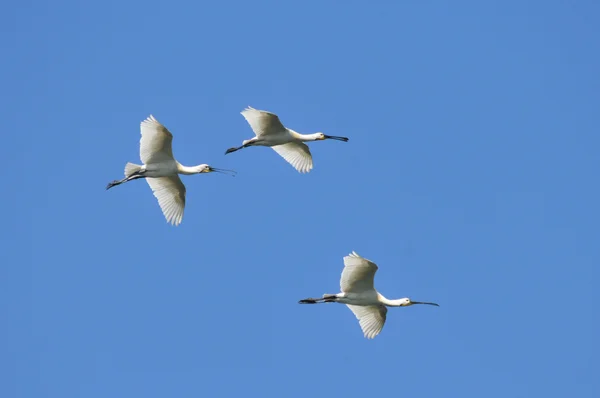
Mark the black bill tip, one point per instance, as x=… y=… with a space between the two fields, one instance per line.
x=223 y=171
x=333 y=137
x=423 y=302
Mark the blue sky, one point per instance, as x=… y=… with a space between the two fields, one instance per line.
x=470 y=177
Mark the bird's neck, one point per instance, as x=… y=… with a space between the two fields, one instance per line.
x=187 y=170
x=390 y=303
x=304 y=137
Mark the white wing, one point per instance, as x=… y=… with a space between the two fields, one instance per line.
x=170 y=193
x=156 y=141
x=371 y=318
x=358 y=274
x=263 y=122
x=297 y=154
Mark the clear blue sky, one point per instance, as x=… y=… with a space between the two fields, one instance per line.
x=470 y=177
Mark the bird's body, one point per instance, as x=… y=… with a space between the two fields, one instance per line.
x=286 y=142
x=359 y=294
x=368 y=297
x=161 y=170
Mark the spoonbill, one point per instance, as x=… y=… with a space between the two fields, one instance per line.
x=161 y=169
x=289 y=144
x=358 y=293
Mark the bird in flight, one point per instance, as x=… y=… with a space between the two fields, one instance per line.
x=289 y=144
x=161 y=170
x=359 y=294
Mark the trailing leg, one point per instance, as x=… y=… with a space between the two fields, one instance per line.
x=115 y=183
x=311 y=301
x=327 y=298
x=132 y=172
x=245 y=144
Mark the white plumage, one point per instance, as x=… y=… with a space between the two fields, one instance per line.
x=161 y=170
x=359 y=294
x=286 y=142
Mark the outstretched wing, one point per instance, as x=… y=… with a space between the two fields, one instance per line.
x=156 y=142
x=297 y=154
x=170 y=193
x=371 y=318
x=263 y=122
x=358 y=274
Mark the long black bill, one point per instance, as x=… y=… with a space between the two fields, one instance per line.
x=333 y=137
x=422 y=302
x=224 y=171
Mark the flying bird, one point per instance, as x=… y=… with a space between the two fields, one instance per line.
x=358 y=293
x=161 y=169
x=289 y=144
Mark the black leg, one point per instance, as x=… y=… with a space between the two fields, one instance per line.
x=233 y=149
x=240 y=147
x=311 y=301
x=115 y=183
x=134 y=176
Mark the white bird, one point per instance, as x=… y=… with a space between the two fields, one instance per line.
x=359 y=294
x=286 y=142
x=161 y=169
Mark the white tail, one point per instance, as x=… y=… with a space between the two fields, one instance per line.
x=131 y=168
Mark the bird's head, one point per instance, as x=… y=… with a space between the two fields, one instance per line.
x=405 y=302
x=204 y=168
x=321 y=136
